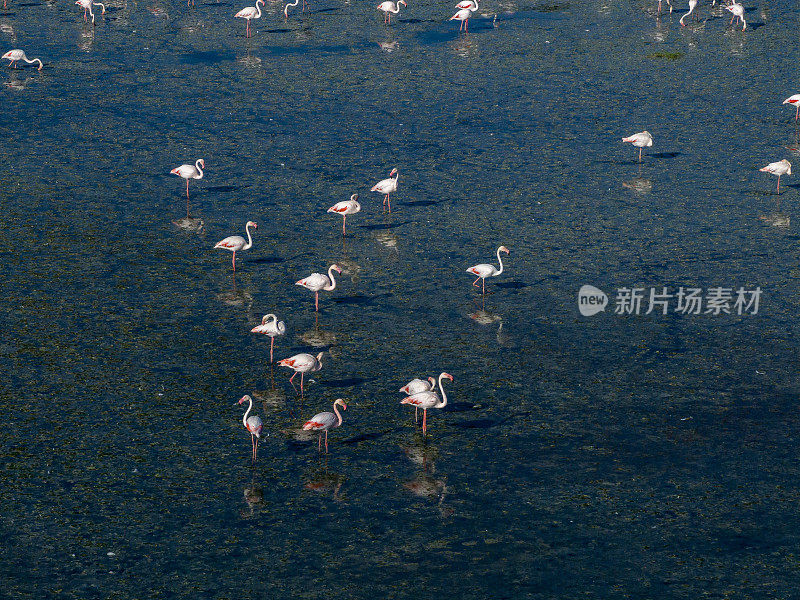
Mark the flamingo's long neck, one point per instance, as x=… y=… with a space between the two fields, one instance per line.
x=247 y=412
x=443 y=403
x=500 y=260
x=30 y=62
x=333 y=280
x=396 y=9
x=475 y=3
x=286 y=8
x=338 y=415
x=199 y=170
x=258 y=10
x=249 y=243
x=270 y=316
x=318 y=366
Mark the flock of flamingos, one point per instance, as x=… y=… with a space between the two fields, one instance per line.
x=420 y=393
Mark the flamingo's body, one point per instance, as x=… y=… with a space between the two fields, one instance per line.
x=416 y=386
x=390 y=8
x=484 y=270
x=317 y=282
x=346 y=207
x=272 y=327
x=692 y=6
x=737 y=10
x=429 y=399
x=87 y=7
x=235 y=243
x=302 y=363
x=794 y=100
x=16 y=55
x=387 y=186
x=249 y=13
x=782 y=167
x=325 y=421
x=466 y=8
x=643 y=139
x=252 y=424
x=188 y=172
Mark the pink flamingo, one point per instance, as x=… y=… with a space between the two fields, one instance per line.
x=484 y=270
x=87 y=6
x=317 y=281
x=643 y=139
x=737 y=10
x=17 y=55
x=415 y=386
x=782 y=167
x=325 y=421
x=272 y=327
x=346 y=207
x=390 y=8
x=302 y=363
x=252 y=424
x=426 y=400
x=794 y=100
x=250 y=12
x=466 y=8
x=236 y=243
x=188 y=172
x=387 y=186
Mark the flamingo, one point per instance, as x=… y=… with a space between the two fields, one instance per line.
x=737 y=10
x=659 y=6
x=692 y=6
x=295 y=3
x=236 y=242
x=317 y=281
x=643 y=139
x=794 y=100
x=467 y=7
x=325 y=421
x=271 y=327
x=387 y=186
x=426 y=400
x=250 y=12
x=782 y=167
x=252 y=424
x=389 y=8
x=415 y=386
x=346 y=207
x=189 y=172
x=16 y=55
x=302 y=363
x=484 y=270
x=87 y=6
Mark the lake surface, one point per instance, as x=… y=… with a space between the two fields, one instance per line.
x=612 y=456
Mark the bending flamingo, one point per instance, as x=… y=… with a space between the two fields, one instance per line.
x=250 y=12
x=87 y=6
x=643 y=139
x=252 y=424
x=188 y=172
x=415 y=386
x=17 y=55
x=325 y=421
x=272 y=327
x=737 y=10
x=692 y=6
x=782 y=167
x=346 y=207
x=236 y=242
x=317 y=281
x=484 y=270
x=387 y=186
x=467 y=7
x=426 y=400
x=295 y=3
x=302 y=363
x=794 y=100
x=389 y=8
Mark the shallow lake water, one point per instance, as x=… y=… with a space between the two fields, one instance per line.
x=612 y=456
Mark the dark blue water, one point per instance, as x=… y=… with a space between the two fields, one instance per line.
x=601 y=457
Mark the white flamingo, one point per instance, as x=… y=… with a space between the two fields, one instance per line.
x=643 y=139
x=737 y=10
x=416 y=386
x=426 y=400
x=782 y=167
x=188 y=172
x=252 y=424
x=389 y=8
x=302 y=363
x=793 y=100
x=692 y=6
x=87 y=6
x=346 y=207
x=387 y=186
x=250 y=12
x=286 y=8
x=17 y=55
x=235 y=243
x=317 y=281
x=325 y=421
x=272 y=327
x=484 y=270
x=467 y=7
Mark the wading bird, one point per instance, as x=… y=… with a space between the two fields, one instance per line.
x=692 y=6
x=389 y=8
x=236 y=243
x=643 y=139
x=302 y=363
x=250 y=12
x=426 y=400
x=782 y=167
x=466 y=8
x=188 y=172
x=415 y=386
x=794 y=100
x=325 y=421
x=485 y=270
x=272 y=327
x=346 y=207
x=16 y=55
x=387 y=186
x=252 y=424
x=317 y=281
x=737 y=10
x=87 y=7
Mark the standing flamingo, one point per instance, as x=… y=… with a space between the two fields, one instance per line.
x=782 y=167
x=346 y=207
x=692 y=6
x=389 y=8
x=188 y=172
x=426 y=400
x=317 y=281
x=17 y=55
x=325 y=421
x=485 y=270
x=252 y=424
x=643 y=139
x=272 y=327
x=737 y=10
x=236 y=242
x=87 y=6
x=387 y=186
x=466 y=8
x=794 y=100
x=249 y=12
x=415 y=386
x=302 y=363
